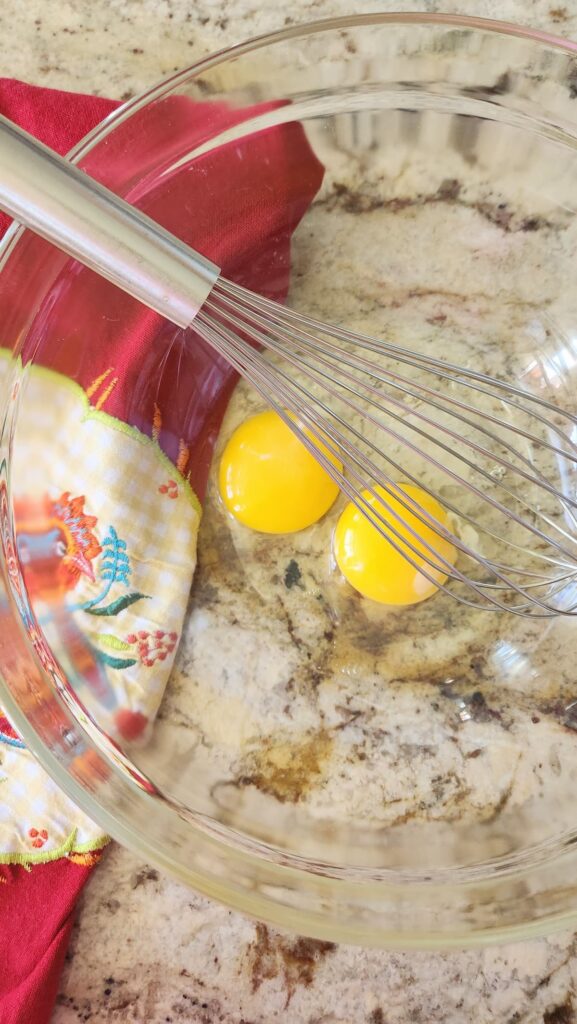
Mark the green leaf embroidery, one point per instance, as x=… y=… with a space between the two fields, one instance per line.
x=116 y=662
x=109 y=640
x=119 y=605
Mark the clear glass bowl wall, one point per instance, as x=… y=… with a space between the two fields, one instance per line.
x=446 y=219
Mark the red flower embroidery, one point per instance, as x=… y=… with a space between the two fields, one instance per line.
x=38 y=837
x=153 y=647
x=170 y=489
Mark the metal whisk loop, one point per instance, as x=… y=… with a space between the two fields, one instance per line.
x=386 y=427
x=283 y=348
x=266 y=381
x=272 y=387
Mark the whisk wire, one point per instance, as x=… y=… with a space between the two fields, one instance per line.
x=291 y=331
x=266 y=379
x=271 y=388
x=282 y=348
x=314 y=373
x=444 y=369
x=371 y=390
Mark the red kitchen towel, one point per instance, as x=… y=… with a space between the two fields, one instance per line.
x=37 y=909
x=239 y=205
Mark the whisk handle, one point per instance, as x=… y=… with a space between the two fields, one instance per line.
x=68 y=208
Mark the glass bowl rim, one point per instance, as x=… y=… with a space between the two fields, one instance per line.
x=244 y=847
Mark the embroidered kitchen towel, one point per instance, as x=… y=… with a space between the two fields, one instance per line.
x=106 y=519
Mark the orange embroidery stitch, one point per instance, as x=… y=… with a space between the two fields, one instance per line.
x=106 y=393
x=97 y=382
x=156 y=423
x=86 y=860
x=93 y=388
x=183 y=457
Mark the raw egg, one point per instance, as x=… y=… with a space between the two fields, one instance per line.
x=269 y=480
x=374 y=567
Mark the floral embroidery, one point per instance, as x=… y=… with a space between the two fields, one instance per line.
x=38 y=837
x=61 y=552
x=119 y=604
x=170 y=489
x=56 y=544
x=81 y=544
x=153 y=647
x=114 y=567
x=68 y=848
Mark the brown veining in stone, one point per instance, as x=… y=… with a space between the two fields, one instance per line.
x=449 y=191
x=294 y=961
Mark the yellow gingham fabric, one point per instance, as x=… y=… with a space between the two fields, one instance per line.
x=147 y=514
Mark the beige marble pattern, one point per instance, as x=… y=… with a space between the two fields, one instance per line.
x=144 y=948
x=120 y=47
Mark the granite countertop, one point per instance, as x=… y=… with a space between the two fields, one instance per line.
x=144 y=948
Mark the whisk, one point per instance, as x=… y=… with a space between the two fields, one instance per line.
x=501 y=460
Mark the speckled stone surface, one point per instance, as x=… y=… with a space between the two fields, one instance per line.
x=144 y=948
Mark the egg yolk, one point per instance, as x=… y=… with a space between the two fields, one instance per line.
x=269 y=480
x=371 y=564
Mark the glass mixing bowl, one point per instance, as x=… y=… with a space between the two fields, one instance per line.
x=390 y=776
